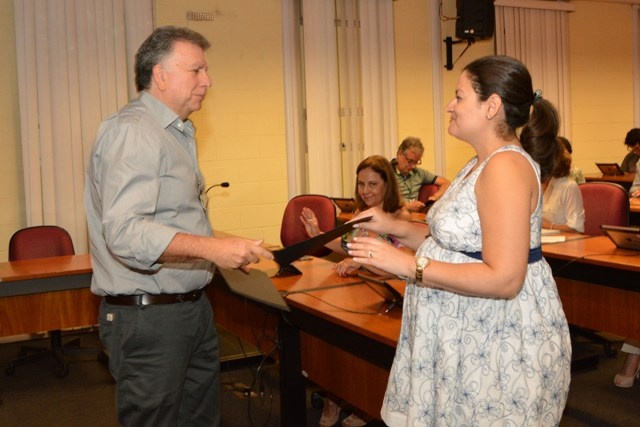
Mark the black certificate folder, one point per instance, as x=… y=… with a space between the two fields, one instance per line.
x=284 y=257
x=255 y=285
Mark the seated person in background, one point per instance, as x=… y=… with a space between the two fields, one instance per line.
x=575 y=173
x=411 y=178
x=631 y=368
x=376 y=185
x=632 y=141
x=562 y=207
x=634 y=191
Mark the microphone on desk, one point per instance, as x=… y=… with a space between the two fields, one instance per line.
x=224 y=184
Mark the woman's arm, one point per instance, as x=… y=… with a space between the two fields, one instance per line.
x=504 y=207
x=408 y=234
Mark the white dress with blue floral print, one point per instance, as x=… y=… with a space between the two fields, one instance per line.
x=470 y=361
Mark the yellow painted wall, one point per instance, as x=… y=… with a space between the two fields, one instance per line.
x=240 y=129
x=12 y=210
x=457 y=152
x=601 y=82
x=415 y=84
x=600 y=69
x=414 y=75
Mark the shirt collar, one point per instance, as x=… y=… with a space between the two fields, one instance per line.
x=394 y=163
x=165 y=115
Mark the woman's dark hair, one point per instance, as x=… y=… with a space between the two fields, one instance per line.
x=567 y=145
x=392 y=200
x=157 y=46
x=632 y=137
x=510 y=80
x=563 y=163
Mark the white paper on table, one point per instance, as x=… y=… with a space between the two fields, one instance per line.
x=553 y=239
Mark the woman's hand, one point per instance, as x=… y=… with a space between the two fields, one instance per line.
x=347 y=267
x=369 y=251
x=310 y=222
x=381 y=222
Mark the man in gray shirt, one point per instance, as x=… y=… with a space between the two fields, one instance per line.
x=411 y=177
x=152 y=246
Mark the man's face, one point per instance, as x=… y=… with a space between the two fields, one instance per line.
x=182 y=79
x=408 y=160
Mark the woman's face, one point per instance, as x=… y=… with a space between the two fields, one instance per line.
x=466 y=117
x=371 y=187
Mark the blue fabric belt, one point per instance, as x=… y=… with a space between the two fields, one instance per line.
x=535 y=255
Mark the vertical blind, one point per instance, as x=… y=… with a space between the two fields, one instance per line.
x=538 y=36
x=74 y=62
x=346 y=89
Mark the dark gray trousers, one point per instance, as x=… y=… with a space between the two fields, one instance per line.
x=165 y=361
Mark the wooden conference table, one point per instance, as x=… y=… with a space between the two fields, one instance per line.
x=336 y=335
x=46 y=294
x=333 y=334
x=350 y=354
x=599 y=284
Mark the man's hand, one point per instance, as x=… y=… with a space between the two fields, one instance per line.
x=227 y=252
x=238 y=252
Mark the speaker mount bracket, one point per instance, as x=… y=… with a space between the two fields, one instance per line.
x=449 y=42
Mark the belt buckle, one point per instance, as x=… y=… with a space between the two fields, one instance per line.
x=144 y=300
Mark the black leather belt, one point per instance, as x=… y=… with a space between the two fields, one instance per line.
x=150 y=299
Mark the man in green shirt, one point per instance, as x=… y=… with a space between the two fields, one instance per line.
x=411 y=177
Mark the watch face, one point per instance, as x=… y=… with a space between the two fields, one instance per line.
x=422 y=262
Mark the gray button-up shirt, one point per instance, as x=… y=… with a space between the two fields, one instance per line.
x=142 y=187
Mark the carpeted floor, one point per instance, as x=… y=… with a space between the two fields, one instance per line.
x=35 y=396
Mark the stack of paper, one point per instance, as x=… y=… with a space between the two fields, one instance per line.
x=553 y=238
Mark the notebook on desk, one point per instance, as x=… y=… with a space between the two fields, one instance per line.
x=609 y=169
x=255 y=285
x=623 y=237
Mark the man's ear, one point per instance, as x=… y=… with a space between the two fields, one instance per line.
x=159 y=76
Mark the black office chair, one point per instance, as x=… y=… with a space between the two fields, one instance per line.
x=43 y=242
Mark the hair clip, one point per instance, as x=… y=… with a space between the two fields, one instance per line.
x=537 y=94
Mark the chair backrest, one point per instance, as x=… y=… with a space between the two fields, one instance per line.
x=292 y=230
x=604 y=203
x=41 y=241
x=426 y=191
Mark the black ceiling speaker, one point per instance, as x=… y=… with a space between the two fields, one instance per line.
x=475 y=19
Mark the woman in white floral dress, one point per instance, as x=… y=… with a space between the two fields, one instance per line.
x=484 y=339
